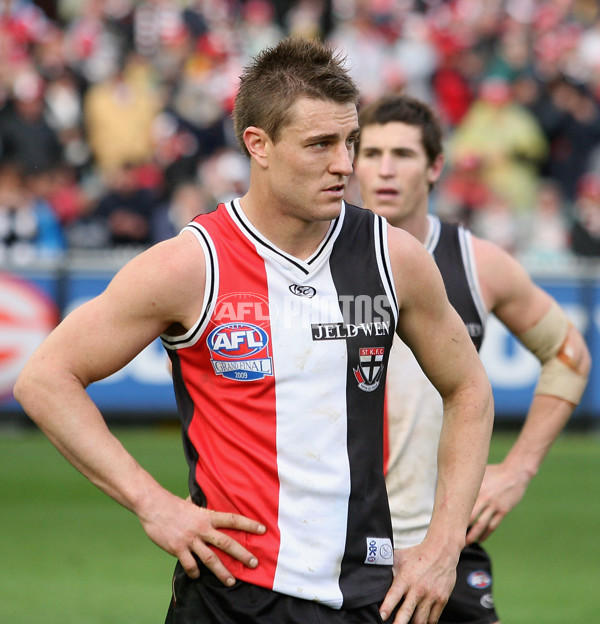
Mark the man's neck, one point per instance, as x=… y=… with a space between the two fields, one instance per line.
x=417 y=225
x=295 y=237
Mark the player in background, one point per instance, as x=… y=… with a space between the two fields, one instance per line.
x=279 y=336
x=399 y=159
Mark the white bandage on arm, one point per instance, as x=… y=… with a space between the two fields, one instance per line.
x=547 y=340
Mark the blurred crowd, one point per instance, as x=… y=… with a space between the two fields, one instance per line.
x=115 y=124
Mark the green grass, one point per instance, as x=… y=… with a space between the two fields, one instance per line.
x=70 y=555
x=546 y=554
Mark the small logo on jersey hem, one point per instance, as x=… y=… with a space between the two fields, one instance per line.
x=487 y=601
x=302 y=291
x=379 y=551
x=479 y=579
x=369 y=371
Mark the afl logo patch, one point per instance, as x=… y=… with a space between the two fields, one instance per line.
x=303 y=291
x=239 y=351
x=479 y=579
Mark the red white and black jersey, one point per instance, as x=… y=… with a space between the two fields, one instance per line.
x=280 y=389
x=414 y=410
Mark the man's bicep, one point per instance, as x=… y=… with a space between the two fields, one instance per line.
x=443 y=349
x=432 y=328
x=97 y=339
x=102 y=335
x=510 y=293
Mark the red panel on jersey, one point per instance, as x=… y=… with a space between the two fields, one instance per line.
x=238 y=372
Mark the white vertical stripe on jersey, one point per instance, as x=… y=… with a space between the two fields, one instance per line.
x=311 y=437
x=466 y=246
x=385 y=265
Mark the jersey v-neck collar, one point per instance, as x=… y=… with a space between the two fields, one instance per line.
x=297 y=266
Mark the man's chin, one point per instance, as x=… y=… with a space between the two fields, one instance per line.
x=332 y=209
x=384 y=209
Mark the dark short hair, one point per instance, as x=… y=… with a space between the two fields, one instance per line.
x=407 y=110
x=271 y=83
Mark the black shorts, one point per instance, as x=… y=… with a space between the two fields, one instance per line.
x=207 y=601
x=471 y=601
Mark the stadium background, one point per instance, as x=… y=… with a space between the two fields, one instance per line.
x=61 y=541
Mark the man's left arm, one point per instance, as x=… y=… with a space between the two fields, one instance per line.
x=535 y=318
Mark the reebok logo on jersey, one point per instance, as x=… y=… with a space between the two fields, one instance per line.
x=369 y=371
x=239 y=351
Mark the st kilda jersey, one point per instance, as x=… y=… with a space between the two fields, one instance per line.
x=414 y=410
x=280 y=389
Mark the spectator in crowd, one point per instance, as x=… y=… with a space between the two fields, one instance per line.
x=511 y=55
x=93 y=46
x=225 y=174
x=171 y=216
x=585 y=231
x=68 y=198
x=258 y=28
x=414 y=57
x=29 y=230
x=119 y=114
x=506 y=138
x=65 y=116
x=463 y=192
x=201 y=98
x=125 y=211
x=454 y=81
x=22 y=24
x=26 y=138
x=360 y=36
x=495 y=220
x=573 y=129
x=547 y=228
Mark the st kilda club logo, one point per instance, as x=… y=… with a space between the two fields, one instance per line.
x=369 y=371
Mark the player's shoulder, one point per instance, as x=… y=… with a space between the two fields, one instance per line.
x=488 y=253
x=177 y=253
x=408 y=257
x=169 y=264
x=501 y=276
x=402 y=243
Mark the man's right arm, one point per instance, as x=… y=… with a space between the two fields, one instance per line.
x=97 y=339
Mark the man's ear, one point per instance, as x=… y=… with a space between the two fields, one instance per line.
x=435 y=169
x=256 y=140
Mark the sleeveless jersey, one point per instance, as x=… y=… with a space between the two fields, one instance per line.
x=280 y=387
x=414 y=410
